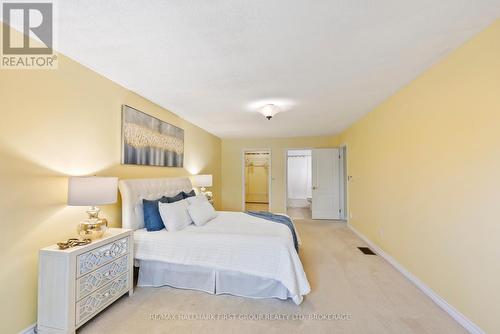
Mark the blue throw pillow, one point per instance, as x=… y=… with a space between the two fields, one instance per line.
x=189 y=194
x=176 y=198
x=152 y=218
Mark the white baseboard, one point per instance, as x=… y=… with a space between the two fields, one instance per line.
x=453 y=312
x=29 y=330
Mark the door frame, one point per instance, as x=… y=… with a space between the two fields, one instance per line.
x=347 y=179
x=243 y=176
x=286 y=172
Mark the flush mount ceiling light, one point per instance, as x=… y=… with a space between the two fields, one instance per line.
x=269 y=110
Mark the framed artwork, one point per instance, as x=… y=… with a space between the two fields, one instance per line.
x=148 y=141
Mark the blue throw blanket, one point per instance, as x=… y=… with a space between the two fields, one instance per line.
x=278 y=219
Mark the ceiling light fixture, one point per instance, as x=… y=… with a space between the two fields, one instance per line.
x=269 y=110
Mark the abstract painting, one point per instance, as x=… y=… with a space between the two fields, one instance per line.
x=146 y=140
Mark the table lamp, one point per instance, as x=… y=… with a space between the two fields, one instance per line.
x=202 y=181
x=92 y=191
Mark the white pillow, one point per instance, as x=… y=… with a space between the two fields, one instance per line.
x=201 y=212
x=201 y=198
x=175 y=215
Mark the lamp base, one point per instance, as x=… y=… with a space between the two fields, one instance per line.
x=209 y=195
x=94 y=227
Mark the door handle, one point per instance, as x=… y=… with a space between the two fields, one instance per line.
x=314 y=188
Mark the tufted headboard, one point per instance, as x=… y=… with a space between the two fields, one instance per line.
x=135 y=190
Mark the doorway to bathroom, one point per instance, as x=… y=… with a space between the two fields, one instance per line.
x=299 y=183
x=316 y=183
x=256 y=179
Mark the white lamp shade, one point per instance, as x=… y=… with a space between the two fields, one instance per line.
x=202 y=180
x=92 y=190
x=269 y=110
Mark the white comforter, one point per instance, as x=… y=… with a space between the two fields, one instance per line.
x=232 y=241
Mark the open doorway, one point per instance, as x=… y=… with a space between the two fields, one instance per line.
x=299 y=183
x=256 y=178
x=316 y=184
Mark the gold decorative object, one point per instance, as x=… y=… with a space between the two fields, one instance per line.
x=73 y=243
x=94 y=227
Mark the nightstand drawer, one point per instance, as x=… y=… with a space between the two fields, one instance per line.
x=93 y=259
x=92 y=304
x=102 y=276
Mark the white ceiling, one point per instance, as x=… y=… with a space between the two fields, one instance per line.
x=329 y=61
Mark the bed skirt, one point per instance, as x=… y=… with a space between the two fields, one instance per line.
x=210 y=280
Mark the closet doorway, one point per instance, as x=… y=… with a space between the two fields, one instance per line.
x=256 y=180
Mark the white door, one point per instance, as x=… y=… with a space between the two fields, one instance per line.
x=325 y=182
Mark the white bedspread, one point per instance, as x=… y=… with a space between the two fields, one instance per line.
x=232 y=241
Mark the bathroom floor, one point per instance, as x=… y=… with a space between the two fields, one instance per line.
x=299 y=213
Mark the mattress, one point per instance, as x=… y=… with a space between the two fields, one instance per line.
x=232 y=242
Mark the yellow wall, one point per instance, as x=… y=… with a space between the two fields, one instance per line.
x=426 y=178
x=56 y=123
x=232 y=160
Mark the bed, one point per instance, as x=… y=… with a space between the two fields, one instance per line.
x=235 y=253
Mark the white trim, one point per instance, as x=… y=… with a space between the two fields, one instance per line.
x=453 y=312
x=29 y=330
x=347 y=213
x=270 y=180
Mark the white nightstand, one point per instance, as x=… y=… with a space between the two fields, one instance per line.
x=77 y=283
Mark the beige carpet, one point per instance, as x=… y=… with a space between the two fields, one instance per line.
x=373 y=295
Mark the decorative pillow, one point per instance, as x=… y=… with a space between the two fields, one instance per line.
x=175 y=215
x=189 y=194
x=201 y=212
x=152 y=218
x=201 y=198
x=173 y=199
